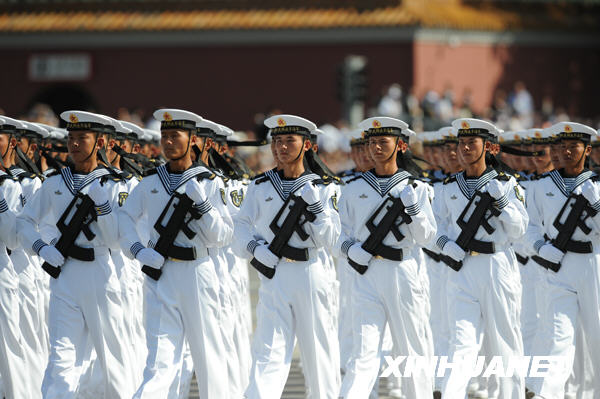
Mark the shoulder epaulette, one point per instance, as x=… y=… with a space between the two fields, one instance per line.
x=450 y=179
x=503 y=176
x=258 y=176
x=5 y=177
x=149 y=171
x=356 y=177
x=260 y=179
x=53 y=173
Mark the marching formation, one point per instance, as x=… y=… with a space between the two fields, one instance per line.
x=122 y=274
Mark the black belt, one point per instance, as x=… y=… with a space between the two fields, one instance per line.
x=432 y=255
x=382 y=252
x=80 y=253
x=578 y=247
x=522 y=259
x=182 y=253
x=297 y=254
x=482 y=247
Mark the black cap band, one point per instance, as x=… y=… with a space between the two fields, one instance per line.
x=90 y=126
x=178 y=124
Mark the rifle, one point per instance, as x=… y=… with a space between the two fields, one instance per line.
x=279 y=246
x=83 y=214
x=374 y=243
x=483 y=203
x=182 y=214
x=574 y=219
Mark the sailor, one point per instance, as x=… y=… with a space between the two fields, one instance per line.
x=389 y=287
x=85 y=294
x=294 y=296
x=13 y=364
x=181 y=287
x=563 y=238
x=483 y=289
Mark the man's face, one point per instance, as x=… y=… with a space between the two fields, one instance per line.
x=4 y=143
x=381 y=148
x=437 y=156
x=174 y=142
x=572 y=151
x=470 y=148
x=126 y=145
x=451 y=157
x=81 y=144
x=556 y=155
x=288 y=146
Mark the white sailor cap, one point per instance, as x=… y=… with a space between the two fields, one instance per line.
x=134 y=130
x=448 y=134
x=152 y=135
x=206 y=128
x=171 y=118
x=386 y=126
x=474 y=127
x=572 y=130
x=58 y=133
x=9 y=125
x=289 y=124
x=87 y=121
x=539 y=136
x=225 y=131
x=357 y=137
x=33 y=130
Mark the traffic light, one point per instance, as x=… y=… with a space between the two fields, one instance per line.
x=352 y=79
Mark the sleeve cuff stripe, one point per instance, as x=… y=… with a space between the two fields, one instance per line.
x=502 y=202
x=103 y=209
x=315 y=208
x=441 y=241
x=38 y=245
x=413 y=209
x=538 y=244
x=3 y=206
x=135 y=248
x=346 y=246
x=252 y=246
x=596 y=206
x=204 y=207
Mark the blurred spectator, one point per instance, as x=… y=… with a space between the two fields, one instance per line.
x=391 y=103
x=42 y=113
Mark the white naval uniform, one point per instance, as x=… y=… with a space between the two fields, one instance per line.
x=485 y=295
x=13 y=364
x=32 y=319
x=85 y=300
x=572 y=295
x=389 y=291
x=296 y=302
x=183 y=303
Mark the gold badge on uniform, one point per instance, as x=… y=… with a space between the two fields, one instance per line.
x=167 y=116
x=519 y=195
x=237 y=198
x=568 y=129
x=223 y=197
x=376 y=124
x=281 y=122
x=73 y=118
x=465 y=125
x=334 y=202
x=122 y=197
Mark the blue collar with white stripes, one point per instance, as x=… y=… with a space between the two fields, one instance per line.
x=469 y=188
x=559 y=180
x=393 y=180
x=74 y=188
x=171 y=183
x=276 y=180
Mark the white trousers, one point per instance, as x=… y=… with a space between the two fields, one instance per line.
x=183 y=303
x=85 y=302
x=295 y=303
x=573 y=295
x=345 y=276
x=485 y=296
x=13 y=366
x=394 y=293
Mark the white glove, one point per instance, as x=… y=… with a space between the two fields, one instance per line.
x=590 y=191
x=263 y=254
x=454 y=251
x=150 y=257
x=97 y=193
x=51 y=255
x=310 y=193
x=551 y=253
x=359 y=255
x=195 y=191
x=408 y=196
x=494 y=188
